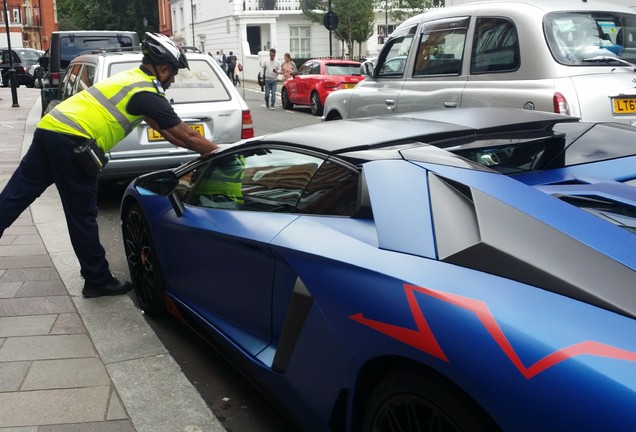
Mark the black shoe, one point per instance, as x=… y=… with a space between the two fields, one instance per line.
x=115 y=287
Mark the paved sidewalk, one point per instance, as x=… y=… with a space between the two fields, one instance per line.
x=69 y=364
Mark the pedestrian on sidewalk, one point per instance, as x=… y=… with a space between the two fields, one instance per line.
x=288 y=67
x=105 y=113
x=231 y=66
x=271 y=70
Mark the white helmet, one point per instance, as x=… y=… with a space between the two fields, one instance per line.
x=160 y=49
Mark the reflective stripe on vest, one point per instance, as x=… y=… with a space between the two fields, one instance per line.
x=91 y=113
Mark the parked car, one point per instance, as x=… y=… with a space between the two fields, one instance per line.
x=24 y=60
x=202 y=96
x=570 y=57
x=315 y=79
x=458 y=270
x=66 y=45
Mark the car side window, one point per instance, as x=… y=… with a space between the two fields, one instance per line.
x=333 y=191
x=441 y=47
x=315 y=69
x=495 y=46
x=86 y=77
x=70 y=80
x=271 y=180
x=304 y=69
x=396 y=48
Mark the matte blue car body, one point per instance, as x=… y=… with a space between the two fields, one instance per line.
x=495 y=333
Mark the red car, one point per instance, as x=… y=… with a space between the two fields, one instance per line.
x=317 y=78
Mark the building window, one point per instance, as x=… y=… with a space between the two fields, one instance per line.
x=300 y=41
x=384 y=31
x=16 y=15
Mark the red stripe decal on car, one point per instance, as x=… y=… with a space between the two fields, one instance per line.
x=424 y=340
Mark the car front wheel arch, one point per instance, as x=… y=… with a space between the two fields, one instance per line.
x=143 y=261
x=333 y=115
x=394 y=389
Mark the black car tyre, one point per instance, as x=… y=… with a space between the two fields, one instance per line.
x=143 y=262
x=414 y=403
x=284 y=97
x=316 y=106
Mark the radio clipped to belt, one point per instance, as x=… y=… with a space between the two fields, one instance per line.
x=91 y=157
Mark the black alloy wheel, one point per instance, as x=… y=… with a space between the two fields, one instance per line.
x=412 y=403
x=143 y=262
x=316 y=106
x=284 y=96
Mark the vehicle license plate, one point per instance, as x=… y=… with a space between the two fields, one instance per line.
x=624 y=105
x=349 y=85
x=153 y=135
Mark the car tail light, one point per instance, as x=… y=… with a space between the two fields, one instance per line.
x=24 y=70
x=330 y=84
x=560 y=104
x=55 y=79
x=247 y=130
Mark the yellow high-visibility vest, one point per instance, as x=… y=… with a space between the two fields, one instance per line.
x=99 y=112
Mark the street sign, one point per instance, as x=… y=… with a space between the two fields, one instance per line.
x=330 y=20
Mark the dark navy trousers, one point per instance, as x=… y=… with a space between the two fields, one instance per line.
x=50 y=160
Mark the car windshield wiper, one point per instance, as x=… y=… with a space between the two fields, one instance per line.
x=608 y=59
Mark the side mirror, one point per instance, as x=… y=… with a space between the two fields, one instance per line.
x=158 y=183
x=367 y=68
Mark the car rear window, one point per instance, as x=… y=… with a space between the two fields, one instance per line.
x=574 y=38
x=71 y=46
x=199 y=84
x=343 y=69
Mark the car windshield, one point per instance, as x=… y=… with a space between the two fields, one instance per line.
x=199 y=84
x=583 y=38
x=342 y=69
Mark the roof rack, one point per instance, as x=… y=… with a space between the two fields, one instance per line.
x=112 y=49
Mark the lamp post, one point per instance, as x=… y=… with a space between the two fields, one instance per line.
x=386 y=20
x=14 y=92
x=191 y=10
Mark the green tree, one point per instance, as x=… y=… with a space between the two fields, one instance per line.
x=108 y=15
x=356 y=23
x=399 y=10
x=356 y=18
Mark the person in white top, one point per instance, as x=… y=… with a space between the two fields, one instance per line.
x=271 y=70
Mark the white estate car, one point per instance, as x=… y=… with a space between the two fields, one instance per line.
x=570 y=56
x=203 y=96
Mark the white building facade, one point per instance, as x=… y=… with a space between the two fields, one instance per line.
x=249 y=28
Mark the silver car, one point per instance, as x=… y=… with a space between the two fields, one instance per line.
x=570 y=57
x=203 y=96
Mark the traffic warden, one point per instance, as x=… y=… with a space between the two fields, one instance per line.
x=95 y=120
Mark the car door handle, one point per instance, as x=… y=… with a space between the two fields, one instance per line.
x=390 y=104
x=450 y=104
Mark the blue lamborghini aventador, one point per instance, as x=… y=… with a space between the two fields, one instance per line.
x=466 y=270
